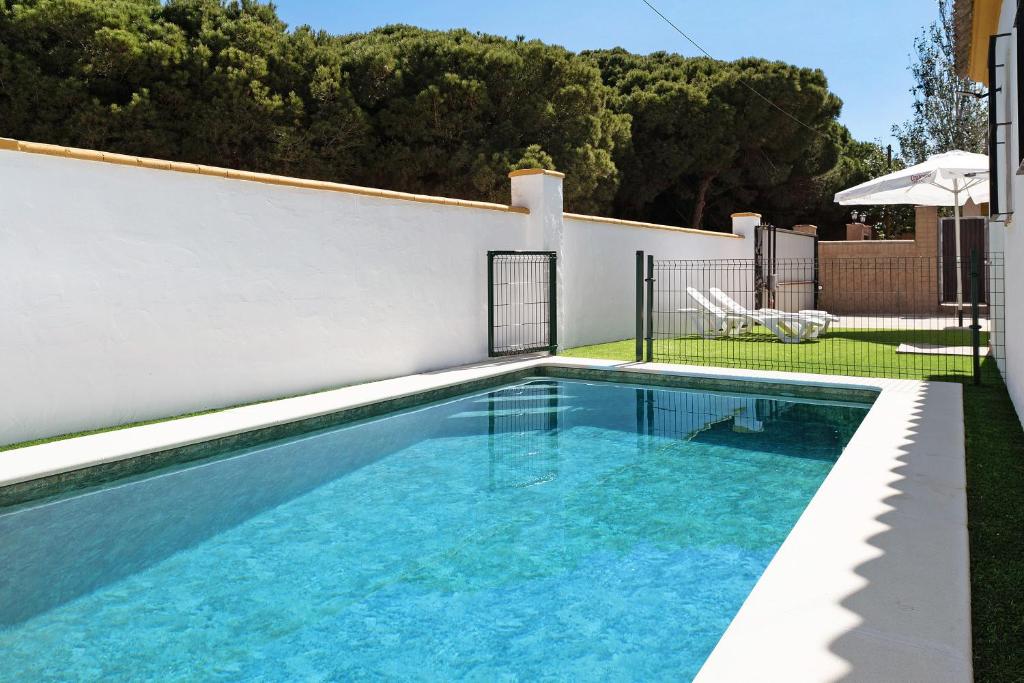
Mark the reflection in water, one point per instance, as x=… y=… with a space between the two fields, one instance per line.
x=784 y=427
x=522 y=429
x=524 y=423
x=684 y=415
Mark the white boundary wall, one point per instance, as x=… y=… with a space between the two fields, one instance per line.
x=1008 y=236
x=131 y=293
x=795 y=270
x=599 y=263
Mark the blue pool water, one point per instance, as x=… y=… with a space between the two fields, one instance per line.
x=549 y=529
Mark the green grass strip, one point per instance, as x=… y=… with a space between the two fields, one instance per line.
x=858 y=353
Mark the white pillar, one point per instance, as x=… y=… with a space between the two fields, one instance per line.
x=540 y=191
x=743 y=224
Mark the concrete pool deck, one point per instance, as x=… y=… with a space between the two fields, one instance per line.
x=872 y=583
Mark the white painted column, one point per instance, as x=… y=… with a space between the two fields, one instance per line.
x=744 y=223
x=541 y=192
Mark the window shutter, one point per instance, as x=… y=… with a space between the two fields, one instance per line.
x=1018 y=68
x=993 y=136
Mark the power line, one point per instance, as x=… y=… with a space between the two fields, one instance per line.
x=745 y=84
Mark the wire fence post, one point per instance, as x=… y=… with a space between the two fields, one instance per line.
x=650 y=308
x=553 y=302
x=639 y=306
x=817 y=275
x=759 y=266
x=490 y=303
x=975 y=325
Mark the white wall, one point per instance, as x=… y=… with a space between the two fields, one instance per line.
x=795 y=267
x=129 y=293
x=599 y=266
x=1009 y=234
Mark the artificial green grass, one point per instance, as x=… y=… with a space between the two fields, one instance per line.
x=61 y=437
x=995 y=521
x=864 y=353
x=114 y=428
x=995 y=486
x=861 y=353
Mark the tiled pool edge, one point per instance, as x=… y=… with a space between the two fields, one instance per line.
x=713 y=383
x=58 y=467
x=830 y=604
x=873 y=582
x=91 y=474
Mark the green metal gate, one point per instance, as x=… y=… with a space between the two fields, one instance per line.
x=521 y=302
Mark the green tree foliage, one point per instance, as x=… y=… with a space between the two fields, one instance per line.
x=454 y=112
x=701 y=139
x=945 y=118
x=228 y=84
x=660 y=137
x=858 y=163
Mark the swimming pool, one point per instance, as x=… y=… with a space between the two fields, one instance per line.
x=547 y=528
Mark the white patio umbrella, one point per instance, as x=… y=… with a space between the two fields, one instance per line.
x=947 y=179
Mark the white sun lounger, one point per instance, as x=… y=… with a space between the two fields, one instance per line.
x=790 y=328
x=712 y=321
x=823 y=318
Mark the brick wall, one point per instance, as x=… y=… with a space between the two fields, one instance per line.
x=858 y=231
x=883 y=276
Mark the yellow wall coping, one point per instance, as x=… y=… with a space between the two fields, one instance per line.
x=233 y=174
x=745 y=214
x=984 y=23
x=535 y=171
x=655 y=226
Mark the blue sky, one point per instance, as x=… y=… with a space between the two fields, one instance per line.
x=862 y=45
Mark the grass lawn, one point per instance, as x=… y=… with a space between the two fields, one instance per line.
x=995 y=508
x=72 y=435
x=114 y=428
x=858 y=352
x=995 y=472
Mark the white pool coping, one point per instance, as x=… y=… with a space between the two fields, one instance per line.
x=872 y=583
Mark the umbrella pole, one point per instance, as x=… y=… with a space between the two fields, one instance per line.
x=959 y=274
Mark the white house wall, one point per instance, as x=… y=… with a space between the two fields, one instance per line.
x=1008 y=235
